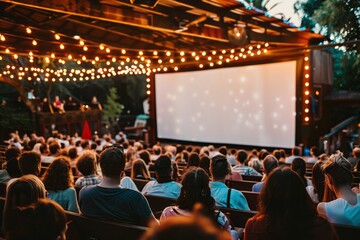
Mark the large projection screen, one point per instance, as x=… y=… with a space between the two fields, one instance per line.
x=247 y=105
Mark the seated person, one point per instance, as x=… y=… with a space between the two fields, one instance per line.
x=43 y=220
x=58 y=105
x=86 y=164
x=140 y=171
x=338 y=177
x=286 y=211
x=164 y=185
x=71 y=104
x=95 y=104
x=270 y=163
x=224 y=196
x=195 y=189
x=108 y=200
x=240 y=166
x=59 y=182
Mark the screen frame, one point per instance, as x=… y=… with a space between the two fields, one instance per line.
x=298 y=104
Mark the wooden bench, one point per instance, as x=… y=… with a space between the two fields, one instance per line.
x=238 y=218
x=252 y=198
x=240 y=185
x=3 y=190
x=84 y=228
x=140 y=184
x=345 y=232
x=158 y=204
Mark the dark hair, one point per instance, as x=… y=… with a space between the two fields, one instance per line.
x=112 y=162
x=318 y=180
x=263 y=154
x=196 y=150
x=145 y=155
x=287 y=206
x=54 y=148
x=219 y=167
x=139 y=168
x=179 y=148
x=296 y=151
x=31 y=144
x=241 y=156
x=12 y=167
x=195 y=189
x=299 y=166
x=44 y=220
x=12 y=152
x=193 y=160
x=157 y=150
x=315 y=150
x=84 y=144
x=189 y=148
x=163 y=167
x=30 y=163
x=270 y=163
x=205 y=163
x=86 y=163
x=58 y=176
x=223 y=150
x=22 y=192
x=277 y=154
x=72 y=153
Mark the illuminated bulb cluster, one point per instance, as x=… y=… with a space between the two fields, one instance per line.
x=66 y=75
x=306 y=104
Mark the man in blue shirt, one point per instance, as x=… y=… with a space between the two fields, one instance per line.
x=224 y=196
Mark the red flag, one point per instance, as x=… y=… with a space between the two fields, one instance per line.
x=86 y=132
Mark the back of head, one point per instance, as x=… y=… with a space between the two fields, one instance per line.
x=195 y=189
x=54 y=148
x=30 y=163
x=223 y=150
x=315 y=151
x=12 y=167
x=11 y=153
x=338 y=169
x=163 y=167
x=205 y=163
x=296 y=151
x=23 y=192
x=299 y=166
x=58 y=176
x=112 y=162
x=219 y=167
x=72 y=153
x=270 y=163
x=86 y=163
x=145 y=155
x=157 y=150
x=139 y=168
x=193 y=160
x=185 y=227
x=44 y=220
x=241 y=156
x=284 y=200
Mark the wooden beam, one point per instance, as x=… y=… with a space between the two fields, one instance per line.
x=102 y=17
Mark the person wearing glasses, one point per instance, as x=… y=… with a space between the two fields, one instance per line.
x=108 y=200
x=224 y=196
x=338 y=177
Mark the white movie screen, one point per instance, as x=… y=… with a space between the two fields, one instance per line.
x=248 y=105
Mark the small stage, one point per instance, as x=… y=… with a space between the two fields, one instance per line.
x=68 y=122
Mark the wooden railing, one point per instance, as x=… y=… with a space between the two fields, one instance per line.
x=341 y=137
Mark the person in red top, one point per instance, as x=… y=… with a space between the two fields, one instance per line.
x=286 y=211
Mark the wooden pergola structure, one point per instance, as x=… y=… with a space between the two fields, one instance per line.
x=145 y=36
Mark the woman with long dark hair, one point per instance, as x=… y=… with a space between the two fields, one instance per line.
x=286 y=211
x=195 y=189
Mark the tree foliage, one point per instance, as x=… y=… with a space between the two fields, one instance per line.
x=339 y=20
x=112 y=109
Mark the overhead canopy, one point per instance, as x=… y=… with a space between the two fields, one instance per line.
x=125 y=28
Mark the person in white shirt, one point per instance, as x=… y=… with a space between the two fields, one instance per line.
x=338 y=177
x=295 y=153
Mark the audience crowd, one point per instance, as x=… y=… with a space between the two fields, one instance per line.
x=100 y=179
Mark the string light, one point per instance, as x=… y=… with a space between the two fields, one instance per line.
x=2 y=38
x=28 y=30
x=34 y=42
x=62 y=47
x=57 y=36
